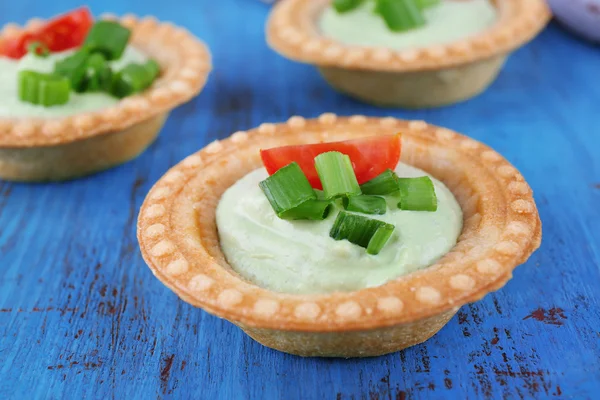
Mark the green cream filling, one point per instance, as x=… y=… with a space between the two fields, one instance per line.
x=300 y=257
x=449 y=21
x=12 y=107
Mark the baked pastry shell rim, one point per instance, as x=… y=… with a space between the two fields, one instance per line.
x=185 y=64
x=291 y=31
x=179 y=240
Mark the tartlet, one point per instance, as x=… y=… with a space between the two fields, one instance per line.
x=68 y=147
x=421 y=77
x=178 y=238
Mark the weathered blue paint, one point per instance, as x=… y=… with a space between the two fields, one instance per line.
x=81 y=315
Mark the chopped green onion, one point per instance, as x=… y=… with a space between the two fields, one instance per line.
x=371 y=234
x=109 y=38
x=38 y=48
x=337 y=175
x=380 y=239
x=43 y=89
x=400 y=15
x=315 y=210
x=376 y=8
x=382 y=184
x=365 y=204
x=417 y=194
x=134 y=78
x=342 y=6
x=74 y=68
x=98 y=75
x=153 y=68
x=422 y=4
x=287 y=189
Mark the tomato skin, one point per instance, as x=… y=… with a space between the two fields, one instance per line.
x=66 y=31
x=58 y=34
x=370 y=156
x=16 y=47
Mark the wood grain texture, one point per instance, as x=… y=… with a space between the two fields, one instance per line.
x=82 y=316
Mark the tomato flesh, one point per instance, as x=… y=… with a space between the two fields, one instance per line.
x=16 y=47
x=60 y=33
x=370 y=156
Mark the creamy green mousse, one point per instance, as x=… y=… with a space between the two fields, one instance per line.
x=300 y=257
x=12 y=107
x=449 y=21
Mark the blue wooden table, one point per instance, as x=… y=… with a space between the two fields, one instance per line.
x=82 y=316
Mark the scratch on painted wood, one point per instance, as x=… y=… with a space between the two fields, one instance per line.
x=165 y=372
x=86 y=362
x=553 y=316
x=62 y=310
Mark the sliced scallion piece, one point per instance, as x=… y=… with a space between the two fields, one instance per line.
x=400 y=15
x=152 y=68
x=342 y=6
x=369 y=233
x=39 y=49
x=109 y=38
x=287 y=189
x=382 y=184
x=417 y=194
x=376 y=8
x=380 y=238
x=316 y=210
x=98 y=75
x=337 y=175
x=74 y=69
x=134 y=78
x=365 y=204
x=422 y=4
x=43 y=89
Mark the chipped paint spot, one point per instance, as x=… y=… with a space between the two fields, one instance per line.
x=553 y=316
x=165 y=372
x=62 y=311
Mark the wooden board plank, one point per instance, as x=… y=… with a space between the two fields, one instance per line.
x=81 y=315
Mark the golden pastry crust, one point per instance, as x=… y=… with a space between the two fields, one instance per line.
x=178 y=238
x=78 y=158
x=185 y=63
x=293 y=32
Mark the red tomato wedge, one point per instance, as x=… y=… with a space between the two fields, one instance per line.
x=370 y=156
x=58 y=34
x=16 y=47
